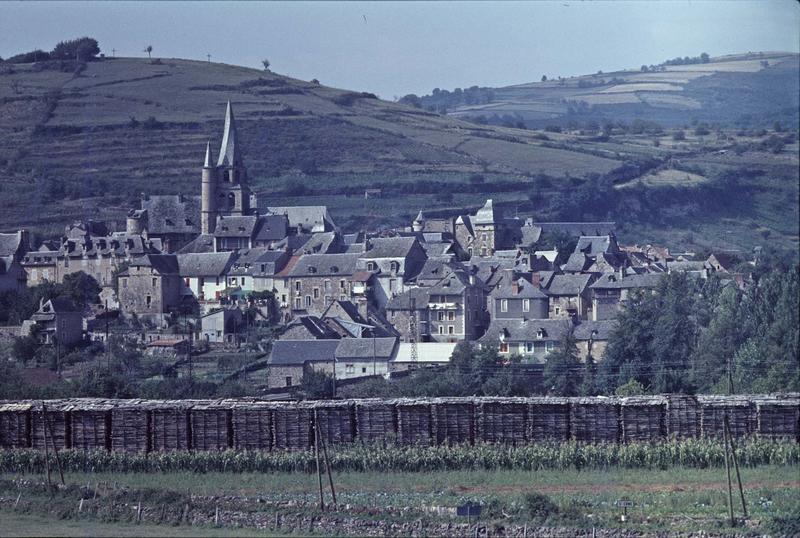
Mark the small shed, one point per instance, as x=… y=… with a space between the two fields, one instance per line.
x=212 y=425
x=414 y=424
x=376 y=421
x=252 y=425
x=453 y=421
x=130 y=426
x=502 y=420
x=90 y=423
x=292 y=426
x=15 y=424
x=594 y=420
x=336 y=420
x=548 y=419
x=643 y=418
x=170 y=425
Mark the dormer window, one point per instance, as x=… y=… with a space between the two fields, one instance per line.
x=395 y=267
x=334 y=268
x=241 y=228
x=541 y=333
x=187 y=222
x=370 y=266
x=169 y=222
x=312 y=269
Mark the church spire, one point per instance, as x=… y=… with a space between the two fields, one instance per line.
x=229 y=151
x=209 y=156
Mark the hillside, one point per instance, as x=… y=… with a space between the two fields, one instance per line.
x=747 y=90
x=85 y=141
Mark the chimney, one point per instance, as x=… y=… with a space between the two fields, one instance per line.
x=363 y=307
x=514 y=286
x=536 y=280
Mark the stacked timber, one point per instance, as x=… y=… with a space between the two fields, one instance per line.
x=682 y=418
x=594 y=420
x=292 y=426
x=414 y=425
x=375 y=421
x=57 y=422
x=502 y=420
x=90 y=424
x=15 y=424
x=713 y=410
x=642 y=418
x=336 y=422
x=130 y=426
x=252 y=425
x=453 y=421
x=211 y=425
x=548 y=419
x=170 y=425
x=778 y=417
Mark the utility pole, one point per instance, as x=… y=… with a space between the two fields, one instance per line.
x=108 y=342
x=374 y=357
x=208 y=56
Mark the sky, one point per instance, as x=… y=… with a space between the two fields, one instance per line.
x=395 y=48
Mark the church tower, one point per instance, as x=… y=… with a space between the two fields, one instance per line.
x=208 y=194
x=233 y=192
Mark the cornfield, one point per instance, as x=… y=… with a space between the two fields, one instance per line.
x=694 y=453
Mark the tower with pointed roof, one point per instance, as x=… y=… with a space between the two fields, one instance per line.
x=225 y=190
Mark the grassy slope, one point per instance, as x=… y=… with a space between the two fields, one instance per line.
x=80 y=138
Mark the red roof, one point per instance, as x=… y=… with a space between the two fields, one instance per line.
x=289 y=266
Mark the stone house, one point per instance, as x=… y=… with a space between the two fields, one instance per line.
x=591 y=338
x=316 y=280
x=150 y=287
x=223 y=326
x=360 y=357
x=57 y=321
x=399 y=311
x=254 y=269
x=611 y=291
x=531 y=339
x=516 y=298
x=476 y=234
x=204 y=274
x=290 y=359
x=173 y=219
x=394 y=262
x=569 y=295
x=249 y=231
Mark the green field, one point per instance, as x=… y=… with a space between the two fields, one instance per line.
x=678 y=499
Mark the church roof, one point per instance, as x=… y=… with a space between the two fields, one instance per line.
x=229 y=154
x=209 y=156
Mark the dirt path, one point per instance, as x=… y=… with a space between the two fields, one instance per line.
x=644 y=488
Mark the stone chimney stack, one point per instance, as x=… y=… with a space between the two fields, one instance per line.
x=536 y=280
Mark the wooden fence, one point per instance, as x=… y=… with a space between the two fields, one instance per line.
x=250 y=424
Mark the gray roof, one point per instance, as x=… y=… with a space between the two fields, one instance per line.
x=320 y=243
x=164 y=264
x=577 y=229
x=389 y=247
x=613 y=281
x=402 y=301
x=11 y=244
x=249 y=261
x=435 y=250
x=325 y=265
x=205 y=263
x=530 y=235
x=586 y=329
x=362 y=348
x=203 y=243
x=235 y=226
x=229 y=153
x=271 y=228
x=313 y=218
x=595 y=244
x=576 y=263
x=686 y=266
x=485 y=214
x=517 y=330
x=435 y=269
x=172 y=214
x=526 y=290
x=297 y=352
x=572 y=284
x=453 y=284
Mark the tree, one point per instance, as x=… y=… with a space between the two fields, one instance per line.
x=562 y=369
x=149 y=49
x=544 y=78
x=704 y=58
x=81 y=288
x=266 y=64
x=317 y=385
x=81 y=49
x=631 y=388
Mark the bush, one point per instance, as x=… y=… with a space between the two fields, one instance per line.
x=678 y=136
x=784 y=526
x=540 y=508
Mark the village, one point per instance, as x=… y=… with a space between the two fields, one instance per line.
x=191 y=274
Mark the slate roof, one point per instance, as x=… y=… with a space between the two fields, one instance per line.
x=205 y=264
x=320 y=243
x=576 y=263
x=203 y=243
x=11 y=244
x=325 y=265
x=595 y=244
x=297 y=352
x=172 y=214
x=235 y=226
x=530 y=235
x=526 y=290
x=313 y=218
x=402 y=301
x=249 y=262
x=453 y=284
x=389 y=247
x=437 y=250
x=485 y=214
x=686 y=266
x=435 y=269
x=572 y=284
x=164 y=264
x=229 y=153
x=577 y=229
x=362 y=348
x=517 y=330
x=585 y=330
x=613 y=281
x=313 y=326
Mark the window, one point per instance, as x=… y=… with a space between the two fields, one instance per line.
x=263 y=267
x=526 y=305
x=483 y=252
x=327 y=285
x=296 y=285
x=343 y=285
x=503 y=305
x=217 y=281
x=363 y=370
x=147 y=301
x=343 y=297
x=283 y=298
x=504 y=347
x=469 y=251
x=349 y=369
x=288 y=381
x=316 y=293
x=308 y=300
x=155 y=282
x=395 y=267
x=298 y=303
x=393 y=284
x=124 y=282
x=450 y=329
x=370 y=266
x=483 y=237
x=550 y=346
x=558 y=310
x=529 y=347
x=312 y=269
x=328 y=300
x=219 y=334
x=66 y=262
x=441 y=315
x=451 y=315
x=441 y=329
